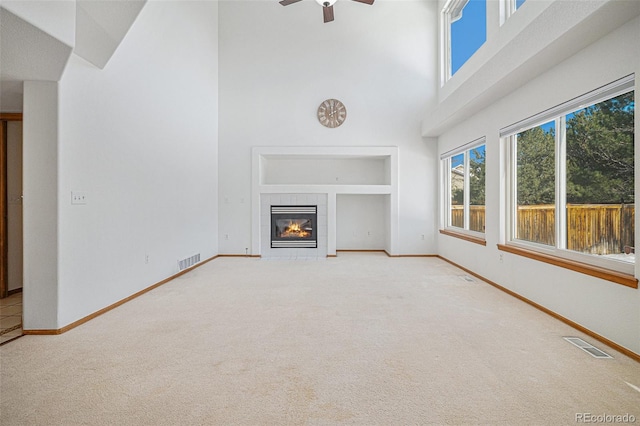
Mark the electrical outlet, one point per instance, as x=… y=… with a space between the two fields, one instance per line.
x=422 y=236
x=226 y=236
x=78 y=197
x=146 y=258
x=501 y=258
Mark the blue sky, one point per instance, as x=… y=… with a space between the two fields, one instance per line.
x=551 y=125
x=458 y=159
x=468 y=33
x=547 y=127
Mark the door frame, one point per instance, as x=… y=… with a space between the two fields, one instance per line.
x=4 y=202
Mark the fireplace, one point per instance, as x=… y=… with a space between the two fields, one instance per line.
x=294 y=226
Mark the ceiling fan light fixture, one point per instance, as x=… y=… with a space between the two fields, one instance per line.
x=327 y=6
x=323 y=3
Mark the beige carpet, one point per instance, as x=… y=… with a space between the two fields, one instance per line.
x=360 y=339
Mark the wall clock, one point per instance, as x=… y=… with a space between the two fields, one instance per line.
x=332 y=113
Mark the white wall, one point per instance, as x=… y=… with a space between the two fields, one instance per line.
x=608 y=309
x=40 y=205
x=139 y=138
x=277 y=64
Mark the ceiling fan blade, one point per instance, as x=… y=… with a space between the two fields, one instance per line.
x=365 y=1
x=327 y=12
x=288 y=2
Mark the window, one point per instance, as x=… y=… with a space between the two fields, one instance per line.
x=464 y=178
x=464 y=31
x=572 y=179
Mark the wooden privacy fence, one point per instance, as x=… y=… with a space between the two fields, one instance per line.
x=600 y=228
x=591 y=228
x=537 y=223
x=476 y=217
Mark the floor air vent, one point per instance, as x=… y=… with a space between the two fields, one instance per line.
x=590 y=349
x=188 y=262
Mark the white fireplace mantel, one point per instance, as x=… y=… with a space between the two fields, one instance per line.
x=325 y=170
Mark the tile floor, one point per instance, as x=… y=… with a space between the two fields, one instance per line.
x=10 y=318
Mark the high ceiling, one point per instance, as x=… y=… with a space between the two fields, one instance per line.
x=36 y=45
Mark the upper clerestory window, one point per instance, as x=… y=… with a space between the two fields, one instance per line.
x=464 y=31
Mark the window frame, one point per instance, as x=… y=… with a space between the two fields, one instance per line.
x=445 y=161
x=558 y=114
x=445 y=19
x=507 y=9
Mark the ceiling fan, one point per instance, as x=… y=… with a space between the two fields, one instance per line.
x=327 y=6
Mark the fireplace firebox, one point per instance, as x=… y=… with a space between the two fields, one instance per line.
x=294 y=226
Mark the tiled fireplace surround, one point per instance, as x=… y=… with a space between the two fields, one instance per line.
x=323 y=194
x=268 y=200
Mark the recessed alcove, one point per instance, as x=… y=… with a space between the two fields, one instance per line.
x=329 y=172
x=325 y=170
x=361 y=221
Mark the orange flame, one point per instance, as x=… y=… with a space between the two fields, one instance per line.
x=294 y=230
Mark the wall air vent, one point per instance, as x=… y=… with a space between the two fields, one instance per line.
x=188 y=262
x=588 y=348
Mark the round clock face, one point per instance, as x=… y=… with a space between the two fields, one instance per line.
x=332 y=113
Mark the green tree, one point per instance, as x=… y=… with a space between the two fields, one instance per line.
x=600 y=156
x=457 y=196
x=600 y=152
x=477 y=173
x=536 y=166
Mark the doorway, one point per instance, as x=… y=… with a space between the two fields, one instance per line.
x=11 y=266
x=10 y=204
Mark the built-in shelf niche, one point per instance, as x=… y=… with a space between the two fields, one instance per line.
x=325 y=170
x=310 y=171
